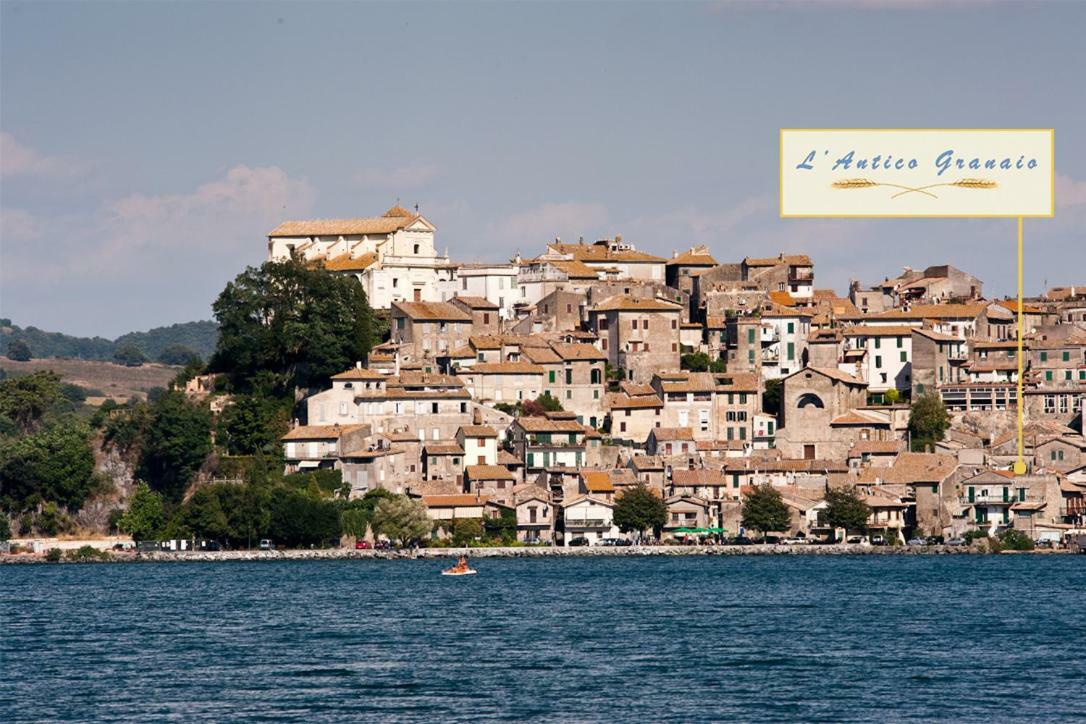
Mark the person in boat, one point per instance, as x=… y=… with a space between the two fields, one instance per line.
x=462 y=564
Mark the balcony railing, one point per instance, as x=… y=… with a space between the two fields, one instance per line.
x=586 y=523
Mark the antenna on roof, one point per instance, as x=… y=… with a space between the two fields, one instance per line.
x=416 y=207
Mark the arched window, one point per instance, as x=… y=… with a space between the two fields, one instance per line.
x=810 y=399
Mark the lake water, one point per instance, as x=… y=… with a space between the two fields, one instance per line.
x=615 y=639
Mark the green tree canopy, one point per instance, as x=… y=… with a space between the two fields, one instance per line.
x=179 y=354
x=129 y=355
x=764 y=510
x=295 y=324
x=639 y=509
x=771 y=397
x=19 y=350
x=701 y=362
x=845 y=509
x=145 y=516
x=401 y=519
x=25 y=400
x=928 y=421
x=177 y=441
x=53 y=464
x=300 y=520
x=252 y=423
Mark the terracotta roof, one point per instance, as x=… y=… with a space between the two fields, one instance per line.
x=620 y=401
x=478 y=431
x=485 y=341
x=932 y=311
x=433 y=311
x=624 y=303
x=542 y=424
x=698 y=476
x=935 y=336
x=508 y=459
x=360 y=373
x=489 y=472
x=320 y=432
x=599 y=253
x=1012 y=305
x=692 y=258
x=597 y=481
x=673 y=433
x=476 y=302
x=879 y=330
x=342 y=227
x=647 y=462
x=634 y=389
x=530 y=491
x=832 y=373
x=540 y=355
x=345 y=262
x=792 y=259
x=574 y=269
x=442 y=448
x=503 y=368
x=782 y=298
x=860 y=417
x=454 y=501
x=577 y=351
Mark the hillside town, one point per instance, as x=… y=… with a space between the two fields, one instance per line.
x=550 y=384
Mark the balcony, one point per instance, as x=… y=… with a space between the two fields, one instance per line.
x=771 y=356
x=586 y=523
x=800 y=275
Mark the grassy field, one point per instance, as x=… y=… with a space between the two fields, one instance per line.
x=111 y=380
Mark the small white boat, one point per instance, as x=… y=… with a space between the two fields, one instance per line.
x=454 y=572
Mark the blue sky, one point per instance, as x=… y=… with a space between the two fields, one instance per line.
x=148 y=147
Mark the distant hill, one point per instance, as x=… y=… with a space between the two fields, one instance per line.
x=200 y=336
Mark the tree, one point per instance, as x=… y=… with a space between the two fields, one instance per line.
x=179 y=354
x=25 y=400
x=55 y=464
x=145 y=516
x=701 y=362
x=928 y=421
x=5 y=528
x=299 y=520
x=129 y=355
x=19 y=350
x=251 y=423
x=177 y=441
x=203 y=515
x=639 y=509
x=466 y=530
x=541 y=405
x=126 y=429
x=771 y=398
x=357 y=514
x=892 y=396
x=845 y=509
x=1015 y=540
x=295 y=323
x=401 y=519
x=764 y=510
x=503 y=528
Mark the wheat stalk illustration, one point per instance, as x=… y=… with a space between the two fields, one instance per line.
x=866 y=183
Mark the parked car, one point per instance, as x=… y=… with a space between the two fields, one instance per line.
x=956 y=541
x=741 y=540
x=612 y=542
x=935 y=540
x=362 y=545
x=878 y=540
x=382 y=545
x=794 y=541
x=578 y=542
x=266 y=544
x=856 y=540
x=917 y=542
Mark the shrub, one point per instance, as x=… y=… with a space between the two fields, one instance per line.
x=1015 y=540
x=53 y=555
x=87 y=553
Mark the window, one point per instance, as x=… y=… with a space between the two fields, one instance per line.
x=603 y=324
x=674 y=347
x=433 y=408
x=791 y=328
x=486 y=317
x=791 y=350
x=395 y=282
x=674 y=324
x=633 y=324
x=1066 y=356
x=1044 y=356
x=647 y=347
x=550 y=376
x=878 y=361
x=900 y=343
x=904 y=356
x=750 y=356
x=1048 y=375
x=750 y=336
x=416 y=248
x=569 y=375
x=878 y=343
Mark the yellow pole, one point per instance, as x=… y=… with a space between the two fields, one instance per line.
x=1020 y=464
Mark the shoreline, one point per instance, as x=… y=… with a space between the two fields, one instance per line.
x=522 y=552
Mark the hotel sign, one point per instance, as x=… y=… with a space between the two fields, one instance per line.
x=921 y=172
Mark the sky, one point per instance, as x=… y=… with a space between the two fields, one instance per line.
x=146 y=149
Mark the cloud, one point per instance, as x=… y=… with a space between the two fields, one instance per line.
x=1069 y=192
x=19 y=224
x=229 y=212
x=17 y=159
x=144 y=258
x=414 y=175
x=538 y=225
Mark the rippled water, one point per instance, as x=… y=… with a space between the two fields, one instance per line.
x=653 y=639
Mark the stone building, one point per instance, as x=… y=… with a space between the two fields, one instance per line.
x=811 y=399
x=640 y=336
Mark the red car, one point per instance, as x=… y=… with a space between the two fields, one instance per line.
x=362 y=545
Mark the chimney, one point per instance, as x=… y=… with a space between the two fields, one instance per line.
x=358 y=365
x=396 y=370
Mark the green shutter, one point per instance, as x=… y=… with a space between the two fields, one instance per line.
x=531 y=460
x=550 y=376
x=750 y=336
x=972 y=493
